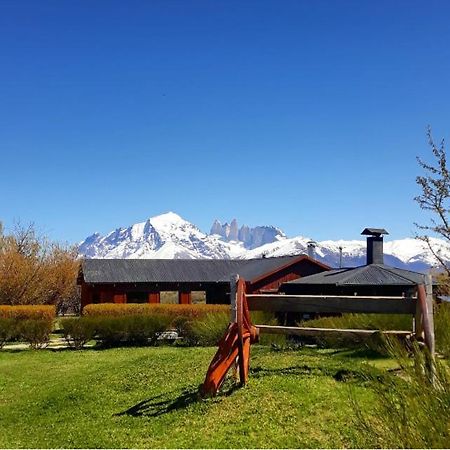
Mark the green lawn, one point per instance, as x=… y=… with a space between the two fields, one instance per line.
x=146 y=397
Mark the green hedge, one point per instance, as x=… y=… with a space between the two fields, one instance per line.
x=29 y=323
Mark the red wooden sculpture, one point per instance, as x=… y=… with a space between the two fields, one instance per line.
x=234 y=347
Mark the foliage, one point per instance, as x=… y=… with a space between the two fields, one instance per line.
x=35 y=331
x=139 y=323
x=34 y=270
x=435 y=198
x=205 y=331
x=23 y=312
x=411 y=410
x=363 y=321
x=123 y=309
x=130 y=329
x=442 y=328
x=268 y=318
x=78 y=331
x=30 y=323
x=7 y=330
x=359 y=321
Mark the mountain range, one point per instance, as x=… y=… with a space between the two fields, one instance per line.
x=169 y=236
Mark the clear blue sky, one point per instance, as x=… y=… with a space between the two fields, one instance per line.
x=303 y=114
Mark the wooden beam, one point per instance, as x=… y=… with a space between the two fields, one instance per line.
x=418 y=322
x=307 y=331
x=430 y=312
x=331 y=304
x=233 y=287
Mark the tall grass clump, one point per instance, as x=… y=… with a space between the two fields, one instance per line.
x=205 y=331
x=442 y=328
x=268 y=318
x=411 y=408
x=359 y=322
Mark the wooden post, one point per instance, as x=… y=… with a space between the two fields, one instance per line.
x=430 y=313
x=233 y=315
x=233 y=291
x=418 y=321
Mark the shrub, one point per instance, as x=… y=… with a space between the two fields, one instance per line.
x=130 y=329
x=172 y=310
x=35 y=331
x=359 y=321
x=267 y=318
x=32 y=312
x=78 y=331
x=7 y=330
x=206 y=330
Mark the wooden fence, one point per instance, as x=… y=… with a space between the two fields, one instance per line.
x=234 y=347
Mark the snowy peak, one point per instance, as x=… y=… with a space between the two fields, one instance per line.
x=165 y=236
x=169 y=236
x=250 y=237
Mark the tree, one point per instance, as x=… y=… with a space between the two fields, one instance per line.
x=435 y=198
x=34 y=270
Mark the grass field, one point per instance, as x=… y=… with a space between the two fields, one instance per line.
x=147 y=397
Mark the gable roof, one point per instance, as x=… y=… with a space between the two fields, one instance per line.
x=183 y=270
x=369 y=275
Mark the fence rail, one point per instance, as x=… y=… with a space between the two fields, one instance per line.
x=331 y=304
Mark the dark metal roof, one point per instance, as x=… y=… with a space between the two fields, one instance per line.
x=373 y=231
x=179 y=270
x=370 y=275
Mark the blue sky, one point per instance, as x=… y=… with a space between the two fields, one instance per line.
x=303 y=114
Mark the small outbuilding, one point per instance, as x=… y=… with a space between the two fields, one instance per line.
x=373 y=279
x=143 y=280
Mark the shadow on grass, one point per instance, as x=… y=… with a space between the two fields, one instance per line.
x=161 y=404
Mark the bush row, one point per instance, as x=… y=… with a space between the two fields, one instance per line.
x=172 y=310
x=130 y=329
x=28 y=312
x=142 y=329
x=35 y=332
x=129 y=324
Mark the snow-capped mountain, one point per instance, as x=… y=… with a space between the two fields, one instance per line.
x=250 y=237
x=168 y=236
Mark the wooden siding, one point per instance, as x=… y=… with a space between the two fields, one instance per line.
x=217 y=292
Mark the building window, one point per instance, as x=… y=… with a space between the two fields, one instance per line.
x=137 y=297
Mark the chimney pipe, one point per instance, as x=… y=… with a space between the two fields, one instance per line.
x=311 y=249
x=374 y=245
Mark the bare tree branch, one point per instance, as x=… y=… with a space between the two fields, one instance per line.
x=435 y=197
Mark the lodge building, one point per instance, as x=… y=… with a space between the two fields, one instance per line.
x=143 y=280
